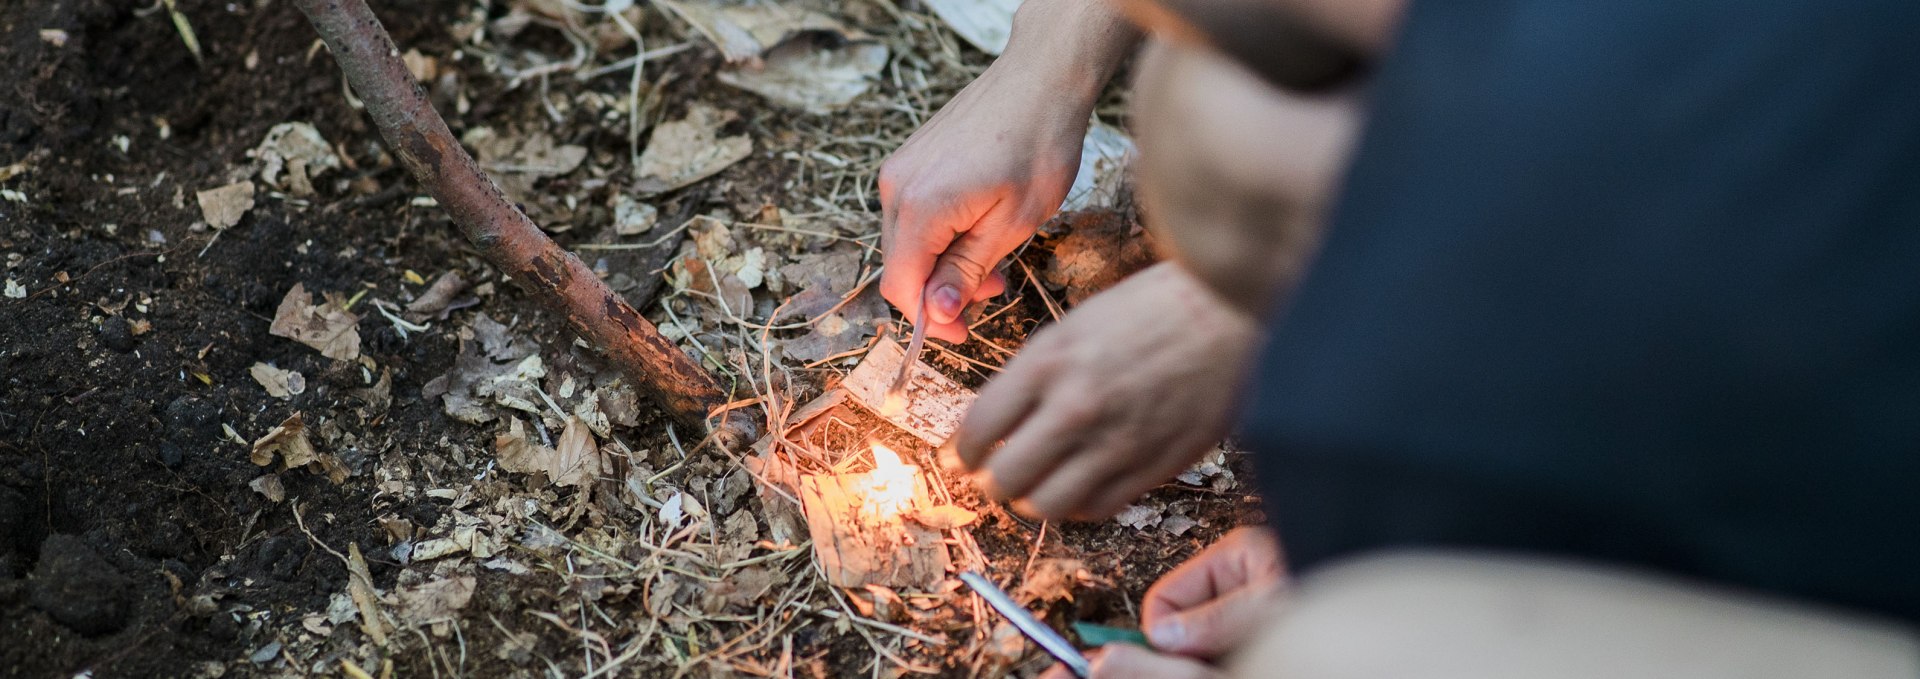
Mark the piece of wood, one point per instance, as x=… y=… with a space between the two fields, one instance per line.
x=555 y=278
x=935 y=403
x=858 y=548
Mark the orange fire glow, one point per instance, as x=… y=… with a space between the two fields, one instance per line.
x=889 y=487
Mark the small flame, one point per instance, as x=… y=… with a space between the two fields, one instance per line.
x=890 y=484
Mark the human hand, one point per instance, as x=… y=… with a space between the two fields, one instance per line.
x=968 y=188
x=977 y=179
x=1208 y=605
x=1122 y=394
x=1243 y=211
x=1123 y=661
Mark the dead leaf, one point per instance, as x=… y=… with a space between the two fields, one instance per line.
x=299 y=150
x=282 y=384
x=269 y=486
x=365 y=597
x=327 y=327
x=1177 y=524
x=1099 y=249
x=688 y=150
x=945 y=517
x=287 y=441
x=434 y=601
x=1105 y=153
x=986 y=24
x=495 y=367
x=439 y=299
x=1211 y=471
x=743 y=32
x=573 y=461
x=224 y=206
x=813 y=74
x=1138 y=517
x=1050 y=580
x=743 y=588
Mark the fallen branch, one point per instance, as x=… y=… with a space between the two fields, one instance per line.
x=504 y=235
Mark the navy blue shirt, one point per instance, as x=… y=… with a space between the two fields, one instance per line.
x=1633 y=280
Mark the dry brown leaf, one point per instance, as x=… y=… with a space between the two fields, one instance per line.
x=1050 y=580
x=287 y=441
x=223 y=207
x=574 y=460
x=327 y=327
x=360 y=587
x=283 y=384
x=299 y=150
x=818 y=76
x=986 y=24
x=945 y=517
x=269 y=486
x=743 y=32
x=438 y=299
x=434 y=601
x=688 y=150
x=1138 y=517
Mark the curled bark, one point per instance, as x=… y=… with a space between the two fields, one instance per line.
x=559 y=280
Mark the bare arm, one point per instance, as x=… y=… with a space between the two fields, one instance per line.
x=974 y=182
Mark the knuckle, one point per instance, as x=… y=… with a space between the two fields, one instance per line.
x=1079 y=413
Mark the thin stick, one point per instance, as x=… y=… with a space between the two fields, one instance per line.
x=504 y=235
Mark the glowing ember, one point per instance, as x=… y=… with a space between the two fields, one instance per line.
x=889 y=487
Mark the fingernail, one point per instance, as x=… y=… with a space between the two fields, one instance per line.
x=1168 y=634
x=946 y=302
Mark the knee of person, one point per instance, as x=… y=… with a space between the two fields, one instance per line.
x=1451 y=615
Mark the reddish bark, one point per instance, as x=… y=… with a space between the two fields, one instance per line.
x=504 y=235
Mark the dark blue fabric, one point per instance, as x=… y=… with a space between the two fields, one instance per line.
x=1634 y=280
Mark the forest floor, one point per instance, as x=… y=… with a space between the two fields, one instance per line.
x=138 y=369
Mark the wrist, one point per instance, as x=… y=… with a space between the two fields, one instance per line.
x=1068 y=47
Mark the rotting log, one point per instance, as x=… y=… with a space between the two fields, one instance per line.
x=505 y=236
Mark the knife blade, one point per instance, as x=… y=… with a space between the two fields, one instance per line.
x=1049 y=640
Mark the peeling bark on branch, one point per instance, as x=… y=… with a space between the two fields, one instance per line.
x=504 y=235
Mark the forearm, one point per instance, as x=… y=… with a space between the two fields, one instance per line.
x=1070 y=47
x=1305 y=45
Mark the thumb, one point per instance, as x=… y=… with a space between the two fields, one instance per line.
x=968 y=263
x=1122 y=661
x=1212 y=629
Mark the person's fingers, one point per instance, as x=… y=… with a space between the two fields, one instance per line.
x=1193 y=582
x=1123 y=661
x=1213 y=628
x=911 y=239
x=1064 y=492
x=1114 y=495
x=1037 y=446
x=1057 y=671
x=1180 y=612
x=965 y=263
x=1002 y=405
x=995 y=284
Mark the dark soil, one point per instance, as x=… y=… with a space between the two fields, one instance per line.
x=130 y=542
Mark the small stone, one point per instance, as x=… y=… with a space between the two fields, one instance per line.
x=76 y=586
x=117 y=334
x=190 y=416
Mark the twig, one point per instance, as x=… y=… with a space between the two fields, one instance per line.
x=503 y=234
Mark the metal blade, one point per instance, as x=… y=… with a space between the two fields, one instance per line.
x=1049 y=640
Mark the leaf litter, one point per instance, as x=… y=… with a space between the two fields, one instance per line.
x=783 y=273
